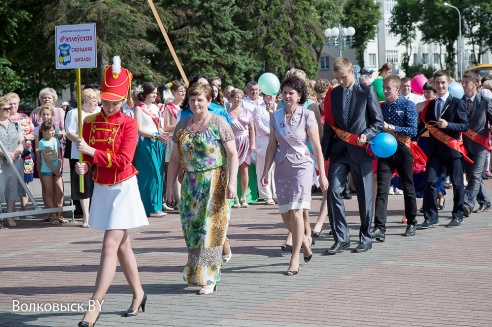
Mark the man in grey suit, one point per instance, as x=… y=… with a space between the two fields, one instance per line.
x=356 y=118
x=479 y=111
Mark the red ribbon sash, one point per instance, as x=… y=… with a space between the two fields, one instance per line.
x=477 y=138
x=443 y=137
x=419 y=157
x=155 y=117
x=343 y=135
x=172 y=109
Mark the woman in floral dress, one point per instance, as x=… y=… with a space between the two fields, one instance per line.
x=204 y=148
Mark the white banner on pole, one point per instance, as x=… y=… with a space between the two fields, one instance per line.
x=75 y=46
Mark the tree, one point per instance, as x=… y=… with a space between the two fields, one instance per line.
x=477 y=16
x=440 y=29
x=286 y=34
x=13 y=19
x=364 y=16
x=122 y=27
x=403 y=22
x=330 y=12
x=207 y=40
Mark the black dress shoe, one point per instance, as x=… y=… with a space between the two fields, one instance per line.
x=363 y=248
x=378 y=234
x=337 y=247
x=410 y=231
x=346 y=196
x=483 y=207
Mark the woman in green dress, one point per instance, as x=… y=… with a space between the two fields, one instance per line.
x=204 y=148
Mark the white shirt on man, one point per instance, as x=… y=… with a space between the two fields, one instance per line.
x=415 y=98
x=249 y=104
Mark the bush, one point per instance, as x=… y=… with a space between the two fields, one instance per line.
x=419 y=69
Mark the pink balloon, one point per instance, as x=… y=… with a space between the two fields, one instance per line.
x=417 y=84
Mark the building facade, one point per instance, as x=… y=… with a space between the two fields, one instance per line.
x=385 y=49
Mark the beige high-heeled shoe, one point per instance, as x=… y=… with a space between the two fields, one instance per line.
x=207 y=289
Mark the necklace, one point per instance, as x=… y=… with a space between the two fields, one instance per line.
x=193 y=127
x=293 y=119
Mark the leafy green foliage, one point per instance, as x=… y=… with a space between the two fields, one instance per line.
x=236 y=40
x=364 y=16
x=403 y=22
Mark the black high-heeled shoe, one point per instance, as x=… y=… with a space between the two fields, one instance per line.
x=316 y=234
x=88 y=324
x=441 y=207
x=309 y=257
x=286 y=248
x=132 y=313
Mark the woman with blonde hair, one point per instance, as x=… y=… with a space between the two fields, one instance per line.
x=90 y=100
x=49 y=97
x=12 y=139
x=27 y=128
x=244 y=135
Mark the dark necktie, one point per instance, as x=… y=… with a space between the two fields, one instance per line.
x=438 y=108
x=347 y=106
x=469 y=107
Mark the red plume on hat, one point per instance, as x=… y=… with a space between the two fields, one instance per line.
x=116 y=83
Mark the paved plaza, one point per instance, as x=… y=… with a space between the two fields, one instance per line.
x=440 y=277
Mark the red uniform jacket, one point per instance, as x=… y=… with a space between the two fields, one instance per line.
x=115 y=140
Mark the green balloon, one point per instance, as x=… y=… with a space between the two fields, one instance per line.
x=269 y=84
x=378 y=85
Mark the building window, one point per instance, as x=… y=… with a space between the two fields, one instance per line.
x=389 y=5
x=437 y=58
x=392 y=56
x=388 y=32
x=325 y=63
x=414 y=59
x=425 y=58
x=372 y=60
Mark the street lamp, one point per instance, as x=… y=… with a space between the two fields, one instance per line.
x=460 y=41
x=340 y=37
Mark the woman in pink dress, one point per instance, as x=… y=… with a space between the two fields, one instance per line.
x=290 y=129
x=242 y=123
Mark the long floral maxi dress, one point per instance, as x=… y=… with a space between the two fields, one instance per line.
x=204 y=209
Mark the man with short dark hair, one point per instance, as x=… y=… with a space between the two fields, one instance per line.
x=400 y=120
x=445 y=118
x=479 y=110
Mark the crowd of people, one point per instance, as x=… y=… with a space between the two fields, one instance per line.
x=193 y=151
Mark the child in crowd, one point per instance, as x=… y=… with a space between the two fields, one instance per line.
x=47 y=112
x=49 y=149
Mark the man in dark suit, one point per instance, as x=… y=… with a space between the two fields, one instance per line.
x=355 y=119
x=446 y=118
x=479 y=110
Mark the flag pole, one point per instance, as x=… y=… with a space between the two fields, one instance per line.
x=168 y=42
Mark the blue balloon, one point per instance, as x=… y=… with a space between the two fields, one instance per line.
x=383 y=145
x=456 y=90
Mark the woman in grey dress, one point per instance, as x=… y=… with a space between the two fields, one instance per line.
x=290 y=128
